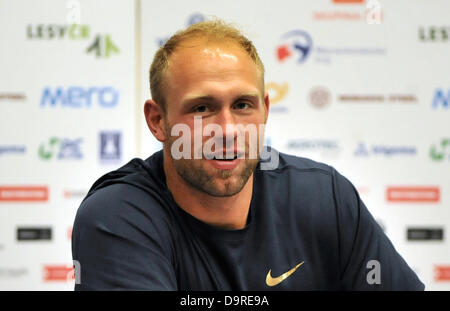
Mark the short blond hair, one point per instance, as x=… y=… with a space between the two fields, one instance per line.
x=214 y=30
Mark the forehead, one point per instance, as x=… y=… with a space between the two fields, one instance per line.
x=202 y=56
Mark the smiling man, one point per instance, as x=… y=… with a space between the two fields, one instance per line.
x=208 y=212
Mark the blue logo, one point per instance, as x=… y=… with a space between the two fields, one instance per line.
x=192 y=19
x=110 y=146
x=363 y=151
x=441 y=99
x=61 y=149
x=12 y=149
x=80 y=97
x=195 y=18
x=297 y=44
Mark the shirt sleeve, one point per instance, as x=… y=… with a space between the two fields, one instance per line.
x=121 y=243
x=368 y=259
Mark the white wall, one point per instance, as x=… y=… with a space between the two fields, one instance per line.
x=394 y=74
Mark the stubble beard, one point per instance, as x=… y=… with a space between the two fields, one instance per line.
x=216 y=182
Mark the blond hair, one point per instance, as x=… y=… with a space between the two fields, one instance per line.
x=215 y=30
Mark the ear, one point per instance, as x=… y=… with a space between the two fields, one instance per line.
x=266 y=105
x=155 y=117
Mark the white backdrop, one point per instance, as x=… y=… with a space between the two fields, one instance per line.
x=362 y=86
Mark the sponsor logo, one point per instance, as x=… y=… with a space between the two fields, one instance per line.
x=110 y=146
x=442 y=151
x=413 y=194
x=102 y=46
x=69 y=233
x=61 y=149
x=363 y=190
x=389 y=151
x=58 y=273
x=34 y=234
x=442 y=273
x=434 y=34
x=23 y=194
x=74 y=194
x=296 y=45
x=378 y=98
x=319 y=97
x=195 y=18
x=12 y=149
x=12 y=96
x=441 y=99
x=325 y=147
x=356 y=12
x=58 y=32
x=191 y=20
x=348 y=1
x=80 y=97
x=425 y=234
x=13 y=272
x=272 y=281
x=277 y=92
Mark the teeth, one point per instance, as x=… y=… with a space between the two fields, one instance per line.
x=225 y=159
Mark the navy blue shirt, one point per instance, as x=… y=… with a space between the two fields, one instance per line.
x=129 y=233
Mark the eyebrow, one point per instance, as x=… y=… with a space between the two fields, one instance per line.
x=195 y=98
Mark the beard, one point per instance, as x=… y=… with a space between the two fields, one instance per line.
x=212 y=181
x=218 y=183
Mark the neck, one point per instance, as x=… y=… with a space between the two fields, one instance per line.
x=224 y=212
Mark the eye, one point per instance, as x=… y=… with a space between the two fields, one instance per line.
x=242 y=105
x=200 y=108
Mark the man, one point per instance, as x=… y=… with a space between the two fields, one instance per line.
x=206 y=213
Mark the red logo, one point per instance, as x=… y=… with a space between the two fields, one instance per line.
x=442 y=273
x=283 y=52
x=348 y=1
x=23 y=194
x=69 y=233
x=59 y=273
x=413 y=194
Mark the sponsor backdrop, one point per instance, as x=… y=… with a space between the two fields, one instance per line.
x=360 y=85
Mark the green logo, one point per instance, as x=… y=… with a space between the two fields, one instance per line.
x=103 y=46
x=58 y=32
x=47 y=151
x=61 y=148
x=438 y=153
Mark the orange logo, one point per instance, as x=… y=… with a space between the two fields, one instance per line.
x=276 y=91
x=23 y=194
x=442 y=273
x=59 y=273
x=413 y=194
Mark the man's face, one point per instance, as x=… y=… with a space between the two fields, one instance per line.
x=220 y=83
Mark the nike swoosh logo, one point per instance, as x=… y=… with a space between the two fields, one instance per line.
x=271 y=281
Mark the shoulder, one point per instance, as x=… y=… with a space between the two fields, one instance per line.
x=307 y=172
x=313 y=187
x=127 y=212
x=300 y=164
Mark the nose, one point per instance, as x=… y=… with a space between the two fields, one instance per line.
x=226 y=120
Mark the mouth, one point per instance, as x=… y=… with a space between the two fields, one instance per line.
x=226 y=161
x=223 y=158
